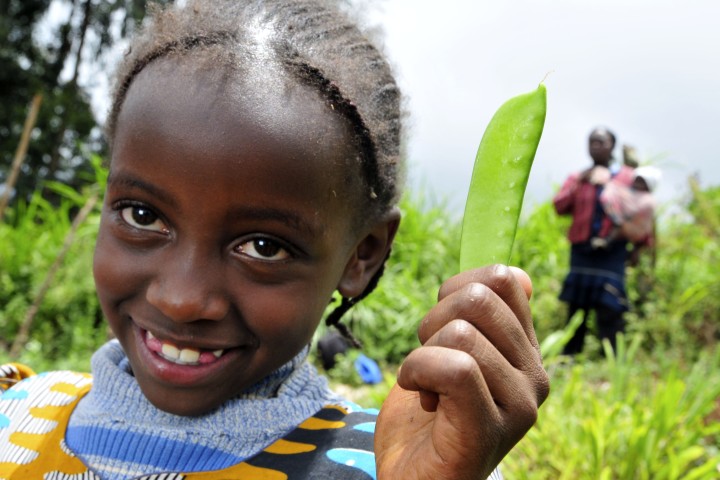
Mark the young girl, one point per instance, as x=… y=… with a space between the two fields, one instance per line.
x=254 y=172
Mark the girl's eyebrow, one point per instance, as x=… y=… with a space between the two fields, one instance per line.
x=284 y=216
x=131 y=181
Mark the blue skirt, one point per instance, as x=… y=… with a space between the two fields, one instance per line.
x=597 y=277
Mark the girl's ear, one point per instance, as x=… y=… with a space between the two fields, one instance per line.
x=368 y=255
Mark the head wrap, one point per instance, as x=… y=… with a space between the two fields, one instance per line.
x=651 y=175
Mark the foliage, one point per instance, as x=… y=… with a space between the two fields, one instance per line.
x=684 y=298
x=42 y=56
x=650 y=412
x=626 y=417
x=542 y=249
x=68 y=325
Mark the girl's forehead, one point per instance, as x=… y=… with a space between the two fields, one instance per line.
x=176 y=96
x=267 y=93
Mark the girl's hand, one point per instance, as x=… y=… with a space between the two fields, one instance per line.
x=472 y=390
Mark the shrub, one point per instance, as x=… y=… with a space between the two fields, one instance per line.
x=67 y=325
x=627 y=417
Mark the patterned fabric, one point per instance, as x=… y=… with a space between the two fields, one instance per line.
x=337 y=442
x=115 y=420
x=33 y=416
x=632 y=210
x=11 y=373
x=35 y=410
x=580 y=199
x=333 y=444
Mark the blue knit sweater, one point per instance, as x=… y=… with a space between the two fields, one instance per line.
x=118 y=433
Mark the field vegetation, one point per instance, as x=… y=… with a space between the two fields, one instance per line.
x=651 y=411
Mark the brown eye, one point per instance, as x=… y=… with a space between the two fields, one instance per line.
x=142 y=218
x=264 y=249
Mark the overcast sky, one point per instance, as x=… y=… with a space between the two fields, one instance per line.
x=649 y=70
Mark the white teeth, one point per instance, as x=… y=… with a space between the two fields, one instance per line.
x=171 y=352
x=181 y=356
x=185 y=356
x=189 y=356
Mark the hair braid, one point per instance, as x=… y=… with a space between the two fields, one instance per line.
x=364 y=140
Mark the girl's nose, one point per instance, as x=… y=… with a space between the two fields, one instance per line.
x=187 y=292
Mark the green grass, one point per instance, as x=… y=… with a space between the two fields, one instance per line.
x=650 y=413
x=627 y=417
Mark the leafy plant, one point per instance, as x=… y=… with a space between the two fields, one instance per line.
x=622 y=418
x=67 y=325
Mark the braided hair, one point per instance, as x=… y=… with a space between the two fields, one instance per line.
x=312 y=42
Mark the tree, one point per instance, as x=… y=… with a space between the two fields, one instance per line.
x=35 y=61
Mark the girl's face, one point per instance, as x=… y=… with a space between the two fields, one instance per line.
x=227 y=225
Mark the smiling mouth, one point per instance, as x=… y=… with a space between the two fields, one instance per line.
x=181 y=356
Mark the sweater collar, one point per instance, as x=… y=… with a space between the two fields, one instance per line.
x=293 y=393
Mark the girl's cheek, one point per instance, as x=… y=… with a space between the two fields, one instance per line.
x=116 y=273
x=282 y=316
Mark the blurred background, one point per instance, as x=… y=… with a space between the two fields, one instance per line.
x=648 y=70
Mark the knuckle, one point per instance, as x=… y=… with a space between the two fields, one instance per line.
x=464 y=369
x=502 y=277
x=474 y=296
x=457 y=334
x=479 y=305
x=525 y=407
x=542 y=386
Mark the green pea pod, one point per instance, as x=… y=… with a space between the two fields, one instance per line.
x=502 y=167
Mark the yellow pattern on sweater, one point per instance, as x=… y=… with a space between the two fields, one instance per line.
x=38 y=410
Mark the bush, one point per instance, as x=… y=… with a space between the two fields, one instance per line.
x=67 y=325
x=624 y=418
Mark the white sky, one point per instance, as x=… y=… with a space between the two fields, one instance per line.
x=649 y=70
